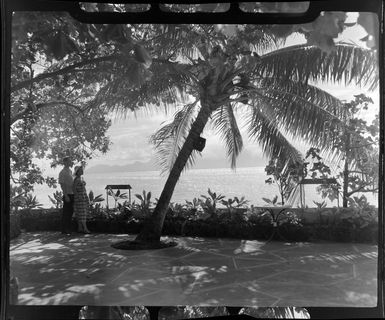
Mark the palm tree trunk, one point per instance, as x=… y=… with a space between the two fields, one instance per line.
x=152 y=229
x=345 y=190
x=282 y=196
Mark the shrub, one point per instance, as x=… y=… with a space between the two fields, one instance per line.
x=57 y=199
x=116 y=195
x=344 y=225
x=209 y=204
x=40 y=219
x=145 y=203
x=331 y=224
x=294 y=232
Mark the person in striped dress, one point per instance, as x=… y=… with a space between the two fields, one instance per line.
x=81 y=201
x=66 y=183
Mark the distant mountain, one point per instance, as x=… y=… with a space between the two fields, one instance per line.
x=201 y=163
x=136 y=166
x=244 y=160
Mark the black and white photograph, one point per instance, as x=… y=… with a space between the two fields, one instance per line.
x=207 y=169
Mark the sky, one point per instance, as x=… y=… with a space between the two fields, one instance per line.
x=130 y=143
x=130 y=136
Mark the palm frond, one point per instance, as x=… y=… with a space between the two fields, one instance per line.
x=224 y=122
x=176 y=40
x=261 y=38
x=303 y=111
x=317 y=97
x=263 y=128
x=302 y=63
x=160 y=88
x=169 y=139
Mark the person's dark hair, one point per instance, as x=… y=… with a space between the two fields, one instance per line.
x=77 y=168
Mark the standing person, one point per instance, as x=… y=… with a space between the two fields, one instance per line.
x=81 y=203
x=66 y=184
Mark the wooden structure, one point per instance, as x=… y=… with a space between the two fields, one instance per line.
x=118 y=187
x=315 y=181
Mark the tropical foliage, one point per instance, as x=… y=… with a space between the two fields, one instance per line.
x=20 y=199
x=94 y=200
x=234 y=203
x=57 y=199
x=272 y=88
x=210 y=202
x=118 y=195
x=145 y=203
x=276 y=312
x=285 y=175
x=356 y=160
x=209 y=74
x=114 y=312
x=359 y=224
x=50 y=90
x=188 y=312
x=357 y=146
x=273 y=202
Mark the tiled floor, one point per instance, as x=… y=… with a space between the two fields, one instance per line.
x=85 y=270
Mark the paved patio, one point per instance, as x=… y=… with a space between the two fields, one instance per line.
x=54 y=269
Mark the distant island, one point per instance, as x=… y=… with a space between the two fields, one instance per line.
x=135 y=166
x=201 y=163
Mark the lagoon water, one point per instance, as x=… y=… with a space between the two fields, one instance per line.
x=247 y=182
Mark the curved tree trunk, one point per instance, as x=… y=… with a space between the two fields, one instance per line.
x=152 y=229
x=345 y=195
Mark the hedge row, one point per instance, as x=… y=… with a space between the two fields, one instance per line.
x=334 y=224
x=14 y=226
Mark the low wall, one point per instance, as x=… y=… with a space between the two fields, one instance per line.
x=315 y=215
x=14 y=226
x=40 y=219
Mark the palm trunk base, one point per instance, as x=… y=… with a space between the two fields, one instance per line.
x=143 y=245
x=147 y=239
x=150 y=233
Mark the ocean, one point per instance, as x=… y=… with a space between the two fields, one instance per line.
x=247 y=182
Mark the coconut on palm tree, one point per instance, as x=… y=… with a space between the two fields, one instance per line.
x=217 y=75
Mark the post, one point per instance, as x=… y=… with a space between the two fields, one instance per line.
x=338 y=196
x=300 y=195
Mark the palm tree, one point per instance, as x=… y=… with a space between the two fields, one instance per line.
x=273 y=90
x=214 y=72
